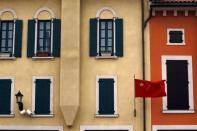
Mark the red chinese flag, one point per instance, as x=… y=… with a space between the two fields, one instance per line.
x=149 y=89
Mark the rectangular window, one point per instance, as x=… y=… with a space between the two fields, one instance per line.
x=6 y=96
x=106 y=96
x=42 y=96
x=175 y=37
x=177 y=71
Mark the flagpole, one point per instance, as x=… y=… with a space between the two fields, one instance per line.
x=134 y=99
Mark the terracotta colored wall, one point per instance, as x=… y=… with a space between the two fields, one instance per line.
x=158 y=46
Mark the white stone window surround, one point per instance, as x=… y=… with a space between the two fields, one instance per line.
x=30 y=127
x=174 y=127
x=13 y=13
x=12 y=78
x=190 y=79
x=175 y=29
x=114 y=77
x=52 y=15
x=98 y=14
x=51 y=95
x=106 y=127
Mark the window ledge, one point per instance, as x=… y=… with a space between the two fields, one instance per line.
x=7 y=58
x=40 y=58
x=107 y=116
x=39 y=116
x=178 y=111
x=177 y=44
x=106 y=57
x=7 y=115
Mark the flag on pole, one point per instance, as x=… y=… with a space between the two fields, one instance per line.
x=145 y=88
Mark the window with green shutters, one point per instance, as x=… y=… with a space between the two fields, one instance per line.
x=44 y=38
x=6 y=96
x=42 y=96
x=10 y=38
x=106 y=95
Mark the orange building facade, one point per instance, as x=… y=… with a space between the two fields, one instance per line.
x=173 y=56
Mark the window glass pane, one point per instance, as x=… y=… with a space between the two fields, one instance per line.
x=102 y=42
x=2 y=49
x=4 y=26
x=109 y=33
x=109 y=25
x=48 y=34
x=109 y=42
x=41 y=25
x=102 y=49
x=48 y=25
x=10 y=34
x=9 y=43
x=10 y=26
x=102 y=25
x=3 y=34
x=41 y=34
x=102 y=33
x=2 y=43
x=9 y=50
x=40 y=42
x=109 y=49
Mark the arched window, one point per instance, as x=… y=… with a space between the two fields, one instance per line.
x=10 y=34
x=44 y=34
x=106 y=34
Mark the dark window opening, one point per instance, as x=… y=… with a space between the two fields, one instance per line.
x=176 y=37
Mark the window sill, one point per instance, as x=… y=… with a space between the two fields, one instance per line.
x=178 y=111
x=106 y=116
x=42 y=116
x=106 y=57
x=7 y=58
x=40 y=58
x=177 y=44
x=7 y=115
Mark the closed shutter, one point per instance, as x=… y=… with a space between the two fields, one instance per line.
x=18 y=38
x=5 y=96
x=31 y=38
x=56 y=37
x=106 y=96
x=177 y=85
x=93 y=37
x=119 y=37
x=42 y=96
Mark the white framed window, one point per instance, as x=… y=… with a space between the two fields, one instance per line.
x=7 y=96
x=106 y=96
x=174 y=127
x=42 y=96
x=175 y=36
x=106 y=127
x=177 y=71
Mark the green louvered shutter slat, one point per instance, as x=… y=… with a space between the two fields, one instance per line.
x=31 y=38
x=18 y=38
x=5 y=96
x=56 y=37
x=106 y=96
x=42 y=96
x=119 y=37
x=93 y=37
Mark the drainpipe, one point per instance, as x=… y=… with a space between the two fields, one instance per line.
x=144 y=24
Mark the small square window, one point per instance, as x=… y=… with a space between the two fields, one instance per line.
x=175 y=37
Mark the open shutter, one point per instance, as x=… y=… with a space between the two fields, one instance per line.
x=119 y=37
x=93 y=36
x=42 y=96
x=106 y=96
x=5 y=96
x=31 y=38
x=177 y=85
x=18 y=38
x=56 y=37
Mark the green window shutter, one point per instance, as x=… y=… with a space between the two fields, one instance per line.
x=119 y=37
x=93 y=37
x=31 y=38
x=5 y=96
x=56 y=37
x=42 y=96
x=106 y=96
x=18 y=38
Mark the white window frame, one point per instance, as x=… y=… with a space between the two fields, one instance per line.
x=51 y=96
x=190 y=79
x=106 y=127
x=174 y=127
x=114 y=77
x=12 y=96
x=175 y=29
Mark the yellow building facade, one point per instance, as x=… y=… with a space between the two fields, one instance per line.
x=74 y=90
